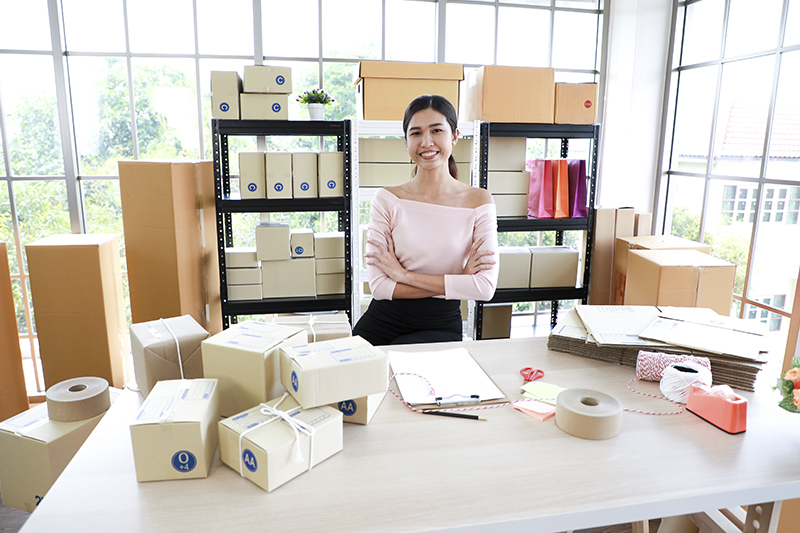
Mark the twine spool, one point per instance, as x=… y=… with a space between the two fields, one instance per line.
x=679 y=377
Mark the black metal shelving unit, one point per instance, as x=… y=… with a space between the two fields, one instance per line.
x=565 y=132
x=226 y=205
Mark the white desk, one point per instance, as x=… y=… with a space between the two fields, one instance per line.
x=408 y=472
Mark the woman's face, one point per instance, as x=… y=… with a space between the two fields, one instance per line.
x=429 y=139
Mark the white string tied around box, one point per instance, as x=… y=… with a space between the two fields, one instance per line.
x=177 y=345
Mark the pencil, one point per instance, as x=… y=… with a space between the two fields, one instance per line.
x=454 y=415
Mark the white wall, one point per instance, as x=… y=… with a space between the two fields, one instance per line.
x=635 y=77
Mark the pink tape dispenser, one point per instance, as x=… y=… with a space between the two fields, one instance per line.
x=719 y=406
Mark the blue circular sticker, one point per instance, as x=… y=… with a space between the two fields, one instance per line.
x=281 y=80
x=252 y=187
x=184 y=461
x=299 y=250
x=295 y=381
x=304 y=186
x=224 y=107
x=249 y=460
x=279 y=187
x=348 y=408
x=276 y=107
x=331 y=184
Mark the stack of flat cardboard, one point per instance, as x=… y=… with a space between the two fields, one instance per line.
x=615 y=334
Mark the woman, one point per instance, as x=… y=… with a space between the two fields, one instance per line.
x=431 y=241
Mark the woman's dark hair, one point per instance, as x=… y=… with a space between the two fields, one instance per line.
x=443 y=106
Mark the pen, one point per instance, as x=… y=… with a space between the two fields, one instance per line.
x=454 y=415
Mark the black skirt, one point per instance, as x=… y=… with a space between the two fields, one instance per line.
x=410 y=321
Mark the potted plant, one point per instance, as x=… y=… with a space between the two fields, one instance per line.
x=315 y=100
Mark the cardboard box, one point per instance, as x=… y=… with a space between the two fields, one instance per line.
x=382 y=151
x=245 y=358
x=244 y=276
x=35 y=452
x=333 y=265
x=320 y=327
x=387 y=87
x=360 y=410
x=330 y=283
x=623 y=225
x=241 y=257
x=279 y=175
x=509 y=182
x=13 y=393
x=267 y=79
x=291 y=278
x=330 y=182
x=658 y=242
x=329 y=245
x=265 y=452
x=602 y=257
x=302 y=242
x=679 y=278
x=511 y=205
x=85 y=316
x=237 y=293
x=169 y=216
x=576 y=103
x=462 y=151
x=304 y=174
x=327 y=372
x=161 y=347
x=384 y=174
x=175 y=432
x=497 y=321
x=507 y=153
x=225 y=89
x=553 y=266
x=273 y=242
x=252 y=175
x=509 y=94
x=263 y=106
x=514 y=263
x=642 y=224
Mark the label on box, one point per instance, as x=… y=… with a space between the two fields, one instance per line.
x=199 y=390
x=312 y=417
x=155 y=409
x=305 y=349
x=352 y=354
x=253 y=341
x=27 y=420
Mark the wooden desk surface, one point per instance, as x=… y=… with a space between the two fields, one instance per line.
x=408 y=472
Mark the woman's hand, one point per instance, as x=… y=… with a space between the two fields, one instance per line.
x=478 y=259
x=385 y=259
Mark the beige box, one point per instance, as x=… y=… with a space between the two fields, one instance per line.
x=302 y=242
x=161 y=347
x=225 y=89
x=266 y=453
x=245 y=358
x=327 y=372
x=511 y=205
x=509 y=94
x=333 y=265
x=267 y=79
x=329 y=245
x=360 y=410
x=13 y=393
x=382 y=151
x=244 y=257
x=264 y=106
x=80 y=323
x=642 y=224
x=330 y=283
x=462 y=151
x=509 y=182
x=575 y=103
x=279 y=175
x=175 y=432
x=304 y=174
x=624 y=223
x=602 y=257
x=320 y=327
x=384 y=174
x=169 y=216
x=507 y=153
x=237 y=293
x=331 y=174
x=553 y=266
x=244 y=276
x=252 y=175
x=496 y=321
x=385 y=88
x=464 y=173
x=515 y=267
x=273 y=241
x=35 y=450
x=291 y=278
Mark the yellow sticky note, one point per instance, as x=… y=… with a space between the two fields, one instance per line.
x=545 y=392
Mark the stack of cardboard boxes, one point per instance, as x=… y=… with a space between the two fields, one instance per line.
x=277 y=175
x=266 y=93
x=507 y=180
x=523 y=267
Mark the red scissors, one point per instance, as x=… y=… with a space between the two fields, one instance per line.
x=531 y=374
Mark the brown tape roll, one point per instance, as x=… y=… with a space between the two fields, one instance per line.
x=588 y=414
x=77 y=399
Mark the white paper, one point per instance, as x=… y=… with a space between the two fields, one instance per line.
x=617 y=324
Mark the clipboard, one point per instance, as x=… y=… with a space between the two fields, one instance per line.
x=456 y=378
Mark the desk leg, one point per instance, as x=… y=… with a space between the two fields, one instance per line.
x=640 y=527
x=762 y=518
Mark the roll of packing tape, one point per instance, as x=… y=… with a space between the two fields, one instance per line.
x=588 y=414
x=77 y=399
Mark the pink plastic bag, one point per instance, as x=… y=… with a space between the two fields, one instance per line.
x=540 y=192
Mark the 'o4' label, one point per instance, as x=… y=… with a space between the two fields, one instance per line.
x=184 y=461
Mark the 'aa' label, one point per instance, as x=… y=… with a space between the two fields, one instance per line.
x=184 y=461
x=249 y=460
x=295 y=381
x=348 y=408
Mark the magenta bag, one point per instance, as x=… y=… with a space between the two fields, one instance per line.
x=577 y=188
x=540 y=191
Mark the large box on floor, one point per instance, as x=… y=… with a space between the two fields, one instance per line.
x=679 y=278
x=169 y=217
x=264 y=448
x=387 y=87
x=245 y=358
x=174 y=434
x=322 y=373
x=509 y=94
x=13 y=395
x=161 y=347
x=76 y=284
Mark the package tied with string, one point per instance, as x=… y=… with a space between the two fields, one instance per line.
x=320 y=327
x=276 y=441
x=168 y=348
x=175 y=431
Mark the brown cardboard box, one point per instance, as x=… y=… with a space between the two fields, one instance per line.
x=679 y=278
x=81 y=324
x=576 y=103
x=514 y=263
x=329 y=245
x=642 y=224
x=273 y=241
x=496 y=321
x=553 y=266
x=624 y=222
x=387 y=87
x=225 y=89
x=332 y=283
x=289 y=278
x=658 y=242
x=602 y=257
x=509 y=182
x=511 y=205
x=384 y=174
x=383 y=151
x=507 y=153
x=13 y=395
x=509 y=94
x=169 y=216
